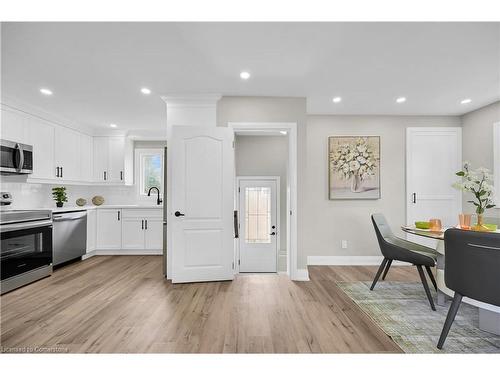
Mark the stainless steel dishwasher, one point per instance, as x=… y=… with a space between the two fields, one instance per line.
x=69 y=236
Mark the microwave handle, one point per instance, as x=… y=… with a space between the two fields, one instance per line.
x=19 y=158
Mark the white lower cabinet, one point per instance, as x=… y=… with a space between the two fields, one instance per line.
x=142 y=229
x=153 y=234
x=91 y=230
x=129 y=231
x=132 y=233
x=109 y=229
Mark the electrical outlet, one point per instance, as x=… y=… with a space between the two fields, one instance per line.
x=344 y=244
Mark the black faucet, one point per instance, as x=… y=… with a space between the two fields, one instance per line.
x=158 y=200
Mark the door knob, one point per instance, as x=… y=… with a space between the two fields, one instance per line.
x=177 y=214
x=272 y=234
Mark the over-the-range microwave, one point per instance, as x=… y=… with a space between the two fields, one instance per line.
x=16 y=158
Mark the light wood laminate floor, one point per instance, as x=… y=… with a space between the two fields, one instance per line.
x=119 y=304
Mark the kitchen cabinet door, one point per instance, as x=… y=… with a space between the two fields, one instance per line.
x=154 y=234
x=67 y=156
x=100 y=161
x=109 y=229
x=133 y=233
x=116 y=158
x=14 y=126
x=42 y=138
x=91 y=230
x=86 y=156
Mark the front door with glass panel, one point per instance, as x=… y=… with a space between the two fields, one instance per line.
x=258 y=225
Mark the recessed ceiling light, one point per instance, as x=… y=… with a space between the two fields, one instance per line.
x=466 y=101
x=113 y=125
x=244 y=75
x=146 y=91
x=401 y=99
x=283 y=132
x=46 y=91
x=337 y=99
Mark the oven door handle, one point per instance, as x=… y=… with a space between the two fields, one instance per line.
x=27 y=225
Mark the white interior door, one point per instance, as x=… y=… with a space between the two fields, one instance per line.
x=258 y=225
x=201 y=224
x=433 y=156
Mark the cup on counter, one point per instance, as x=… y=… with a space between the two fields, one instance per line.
x=465 y=221
x=435 y=225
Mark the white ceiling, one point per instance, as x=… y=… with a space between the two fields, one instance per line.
x=96 y=69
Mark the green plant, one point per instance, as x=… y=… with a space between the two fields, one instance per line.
x=59 y=194
x=478 y=183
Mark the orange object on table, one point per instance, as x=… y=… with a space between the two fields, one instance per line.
x=435 y=225
x=465 y=220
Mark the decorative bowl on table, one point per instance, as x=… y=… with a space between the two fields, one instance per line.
x=491 y=227
x=422 y=225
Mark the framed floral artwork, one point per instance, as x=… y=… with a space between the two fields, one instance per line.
x=354 y=167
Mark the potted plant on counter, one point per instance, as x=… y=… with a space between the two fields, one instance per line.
x=59 y=195
x=478 y=183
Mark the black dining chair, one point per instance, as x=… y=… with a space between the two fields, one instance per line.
x=472 y=269
x=395 y=248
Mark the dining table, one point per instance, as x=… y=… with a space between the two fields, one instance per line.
x=489 y=315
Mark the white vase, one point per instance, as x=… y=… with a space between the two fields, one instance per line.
x=356 y=184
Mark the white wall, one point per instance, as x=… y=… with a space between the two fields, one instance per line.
x=327 y=222
x=266 y=156
x=478 y=143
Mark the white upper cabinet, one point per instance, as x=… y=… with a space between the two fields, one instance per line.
x=42 y=135
x=67 y=155
x=111 y=160
x=62 y=154
x=86 y=157
x=14 y=126
x=116 y=159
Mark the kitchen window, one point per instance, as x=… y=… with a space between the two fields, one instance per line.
x=149 y=170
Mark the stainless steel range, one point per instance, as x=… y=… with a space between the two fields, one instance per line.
x=26 y=246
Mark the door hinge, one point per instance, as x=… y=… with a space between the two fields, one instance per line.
x=290 y=212
x=239 y=190
x=239 y=262
x=233 y=265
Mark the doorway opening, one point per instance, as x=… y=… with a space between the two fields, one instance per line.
x=265 y=197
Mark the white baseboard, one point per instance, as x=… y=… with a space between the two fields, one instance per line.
x=340 y=260
x=88 y=255
x=301 y=275
x=128 y=252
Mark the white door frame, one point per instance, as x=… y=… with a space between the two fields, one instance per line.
x=278 y=216
x=291 y=201
x=456 y=130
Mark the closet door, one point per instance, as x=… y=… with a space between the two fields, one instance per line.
x=433 y=157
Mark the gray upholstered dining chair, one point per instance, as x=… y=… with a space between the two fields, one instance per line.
x=394 y=248
x=472 y=269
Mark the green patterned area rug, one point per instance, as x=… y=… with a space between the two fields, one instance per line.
x=403 y=312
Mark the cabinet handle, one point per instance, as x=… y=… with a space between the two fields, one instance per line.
x=121 y=175
x=104 y=175
x=146 y=226
x=142 y=225
x=61 y=172
x=118 y=215
x=57 y=171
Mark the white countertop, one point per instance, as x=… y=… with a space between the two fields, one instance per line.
x=104 y=206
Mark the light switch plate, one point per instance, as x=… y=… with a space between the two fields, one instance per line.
x=344 y=244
